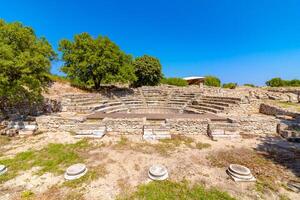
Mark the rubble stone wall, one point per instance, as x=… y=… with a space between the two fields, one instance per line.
x=274 y=110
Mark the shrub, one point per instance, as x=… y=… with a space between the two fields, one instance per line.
x=249 y=85
x=276 y=82
x=147 y=70
x=230 y=85
x=212 y=81
x=174 y=81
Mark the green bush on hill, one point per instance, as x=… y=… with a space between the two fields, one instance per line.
x=230 y=85
x=212 y=81
x=249 y=85
x=174 y=81
x=278 y=82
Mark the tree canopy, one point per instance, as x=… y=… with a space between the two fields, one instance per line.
x=25 y=61
x=90 y=61
x=147 y=70
x=212 y=81
x=278 y=82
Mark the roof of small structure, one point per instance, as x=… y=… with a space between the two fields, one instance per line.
x=193 y=78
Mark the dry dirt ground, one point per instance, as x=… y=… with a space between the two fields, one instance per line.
x=124 y=162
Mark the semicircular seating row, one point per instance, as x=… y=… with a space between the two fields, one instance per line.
x=149 y=100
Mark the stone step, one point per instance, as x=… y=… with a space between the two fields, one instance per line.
x=216 y=103
x=219 y=100
x=223 y=130
x=117 y=110
x=109 y=108
x=156 y=132
x=211 y=106
x=220 y=97
x=91 y=133
x=204 y=108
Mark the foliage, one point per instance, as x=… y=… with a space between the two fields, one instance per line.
x=212 y=81
x=174 y=81
x=90 y=62
x=168 y=190
x=201 y=145
x=60 y=79
x=147 y=70
x=24 y=65
x=249 y=85
x=53 y=158
x=230 y=85
x=278 y=82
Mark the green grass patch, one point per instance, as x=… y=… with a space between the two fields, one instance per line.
x=53 y=158
x=200 y=145
x=167 y=190
x=27 y=195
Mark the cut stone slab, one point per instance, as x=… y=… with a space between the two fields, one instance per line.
x=240 y=173
x=75 y=171
x=99 y=133
x=158 y=173
x=3 y=169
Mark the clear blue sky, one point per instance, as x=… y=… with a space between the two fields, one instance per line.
x=244 y=41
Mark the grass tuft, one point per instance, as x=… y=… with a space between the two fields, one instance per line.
x=168 y=190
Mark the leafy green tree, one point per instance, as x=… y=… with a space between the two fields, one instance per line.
x=147 y=70
x=230 y=85
x=25 y=61
x=174 y=81
x=212 y=81
x=90 y=62
x=276 y=82
x=249 y=85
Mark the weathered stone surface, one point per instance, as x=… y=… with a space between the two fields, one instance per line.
x=75 y=171
x=158 y=173
x=3 y=169
x=240 y=173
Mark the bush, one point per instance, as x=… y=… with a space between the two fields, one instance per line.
x=230 y=85
x=249 y=85
x=212 y=81
x=147 y=70
x=278 y=82
x=174 y=81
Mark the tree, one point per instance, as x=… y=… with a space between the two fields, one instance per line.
x=90 y=61
x=276 y=82
x=147 y=70
x=230 y=85
x=174 y=81
x=212 y=81
x=25 y=63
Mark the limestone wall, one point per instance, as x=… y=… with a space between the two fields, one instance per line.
x=188 y=126
x=257 y=124
x=125 y=126
x=274 y=110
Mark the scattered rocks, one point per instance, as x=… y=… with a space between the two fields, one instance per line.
x=75 y=171
x=158 y=173
x=240 y=173
x=3 y=169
